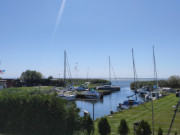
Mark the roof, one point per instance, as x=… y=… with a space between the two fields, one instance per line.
x=2 y=80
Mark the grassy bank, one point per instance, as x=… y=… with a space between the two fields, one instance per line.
x=163 y=113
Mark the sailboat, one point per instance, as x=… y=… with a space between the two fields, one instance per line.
x=109 y=86
x=131 y=101
x=156 y=93
x=66 y=93
x=135 y=74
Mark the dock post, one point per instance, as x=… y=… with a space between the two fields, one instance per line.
x=93 y=115
x=152 y=116
x=93 y=109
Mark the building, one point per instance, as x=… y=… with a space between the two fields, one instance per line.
x=3 y=84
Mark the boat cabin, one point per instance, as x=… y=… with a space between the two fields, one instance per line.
x=131 y=102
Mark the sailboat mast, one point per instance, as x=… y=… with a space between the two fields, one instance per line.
x=134 y=67
x=64 y=69
x=109 y=69
x=155 y=71
x=152 y=90
x=88 y=74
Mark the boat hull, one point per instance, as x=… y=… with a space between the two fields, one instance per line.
x=69 y=97
x=109 y=88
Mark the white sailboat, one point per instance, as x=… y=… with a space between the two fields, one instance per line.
x=156 y=92
x=110 y=86
x=65 y=93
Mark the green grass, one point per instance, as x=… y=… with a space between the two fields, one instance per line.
x=163 y=113
x=30 y=88
x=27 y=90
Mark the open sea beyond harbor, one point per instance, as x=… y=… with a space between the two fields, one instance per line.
x=110 y=102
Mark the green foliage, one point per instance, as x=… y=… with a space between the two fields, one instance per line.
x=31 y=77
x=91 y=86
x=141 y=84
x=160 y=131
x=143 y=128
x=78 y=82
x=173 y=82
x=88 y=124
x=175 y=133
x=104 y=127
x=30 y=112
x=99 y=81
x=50 y=77
x=123 y=127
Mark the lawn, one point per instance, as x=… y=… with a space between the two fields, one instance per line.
x=163 y=114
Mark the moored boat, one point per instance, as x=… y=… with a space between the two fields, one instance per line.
x=66 y=95
x=129 y=103
x=143 y=91
x=69 y=97
x=156 y=94
x=109 y=87
x=92 y=94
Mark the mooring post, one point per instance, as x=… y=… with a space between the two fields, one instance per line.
x=93 y=115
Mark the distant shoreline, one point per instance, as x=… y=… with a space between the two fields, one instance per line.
x=103 y=78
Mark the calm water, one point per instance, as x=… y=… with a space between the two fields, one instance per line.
x=109 y=102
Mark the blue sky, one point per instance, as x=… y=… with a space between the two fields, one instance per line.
x=31 y=37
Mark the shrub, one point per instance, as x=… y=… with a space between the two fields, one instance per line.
x=104 y=127
x=123 y=127
x=88 y=124
x=143 y=128
x=160 y=131
x=22 y=113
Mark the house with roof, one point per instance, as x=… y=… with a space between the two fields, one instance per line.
x=3 y=84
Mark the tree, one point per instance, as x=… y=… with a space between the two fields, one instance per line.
x=123 y=127
x=50 y=77
x=88 y=124
x=143 y=128
x=174 y=81
x=104 y=127
x=31 y=77
x=160 y=131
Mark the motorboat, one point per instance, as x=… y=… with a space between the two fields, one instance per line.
x=129 y=103
x=80 y=88
x=66 y=95
x=109 y=87
x=92 y=94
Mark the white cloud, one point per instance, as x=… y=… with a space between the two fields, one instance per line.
x=59 y=18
